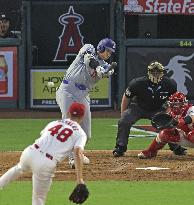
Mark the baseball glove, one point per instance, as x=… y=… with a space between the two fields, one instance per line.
x=79 y=194
x=163 y=120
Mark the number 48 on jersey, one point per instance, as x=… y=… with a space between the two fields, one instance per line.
x=62 y=135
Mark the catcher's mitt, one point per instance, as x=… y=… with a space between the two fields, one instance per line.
x=163 y=120
x=79 y=194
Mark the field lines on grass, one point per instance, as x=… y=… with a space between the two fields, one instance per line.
x=106 y=193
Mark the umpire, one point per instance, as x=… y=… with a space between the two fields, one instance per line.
x=144 y=97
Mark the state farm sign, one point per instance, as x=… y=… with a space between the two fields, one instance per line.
x=159 y=6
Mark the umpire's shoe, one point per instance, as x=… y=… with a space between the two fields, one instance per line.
x=119 y=151
x=177 y=149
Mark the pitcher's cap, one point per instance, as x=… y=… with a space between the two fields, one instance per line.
x=77 y=109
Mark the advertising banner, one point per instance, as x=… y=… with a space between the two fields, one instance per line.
x=43 y=96
x=8 y=73
x=178 y=63
x=184 y=7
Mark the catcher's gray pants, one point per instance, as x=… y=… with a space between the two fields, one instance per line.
x=128 y=118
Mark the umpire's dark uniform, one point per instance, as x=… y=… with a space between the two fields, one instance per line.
x=145 y=99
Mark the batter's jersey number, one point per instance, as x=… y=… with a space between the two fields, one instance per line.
x=63 y=135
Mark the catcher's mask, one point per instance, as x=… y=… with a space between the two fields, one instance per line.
x=178 y=103
x=155 y=72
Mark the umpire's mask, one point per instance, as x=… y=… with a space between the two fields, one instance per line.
x=155 y=72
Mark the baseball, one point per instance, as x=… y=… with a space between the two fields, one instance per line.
x=50 y=84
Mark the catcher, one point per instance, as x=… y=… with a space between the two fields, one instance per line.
x=41 y=158
x=176 y=126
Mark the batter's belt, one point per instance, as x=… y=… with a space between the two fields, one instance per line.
x=77 y=85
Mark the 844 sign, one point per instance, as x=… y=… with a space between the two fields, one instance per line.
x=185 y=43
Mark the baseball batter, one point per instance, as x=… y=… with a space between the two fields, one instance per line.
x=182 y=134
x=85 y=71
x=57 y=140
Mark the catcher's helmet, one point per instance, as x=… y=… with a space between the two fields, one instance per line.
x=178 y=103
x=155 y=72
x=106 y=43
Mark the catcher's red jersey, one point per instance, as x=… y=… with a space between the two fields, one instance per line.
x=189 y=110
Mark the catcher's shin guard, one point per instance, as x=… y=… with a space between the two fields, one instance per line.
x=155 y=146
x=169 y=135
x=190 y=136
x=152 y=150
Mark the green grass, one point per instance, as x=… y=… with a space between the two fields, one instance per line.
x=16 y=134
x=107 y=193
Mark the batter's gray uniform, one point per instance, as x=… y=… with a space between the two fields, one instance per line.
x=79 y=79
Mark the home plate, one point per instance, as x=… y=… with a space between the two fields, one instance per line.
x=153 y=168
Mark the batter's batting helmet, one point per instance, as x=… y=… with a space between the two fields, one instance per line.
x=106 y=43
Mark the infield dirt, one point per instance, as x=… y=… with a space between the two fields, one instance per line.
x=103 y=166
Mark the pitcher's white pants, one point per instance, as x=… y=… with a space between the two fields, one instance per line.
x=42 y=169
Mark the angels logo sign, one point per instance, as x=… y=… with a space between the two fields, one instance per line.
x=70 y=40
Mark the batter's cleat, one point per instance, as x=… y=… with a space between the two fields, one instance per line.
x=119 y=151
x=86 y=160
x=71 y=163
x=146 y=154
